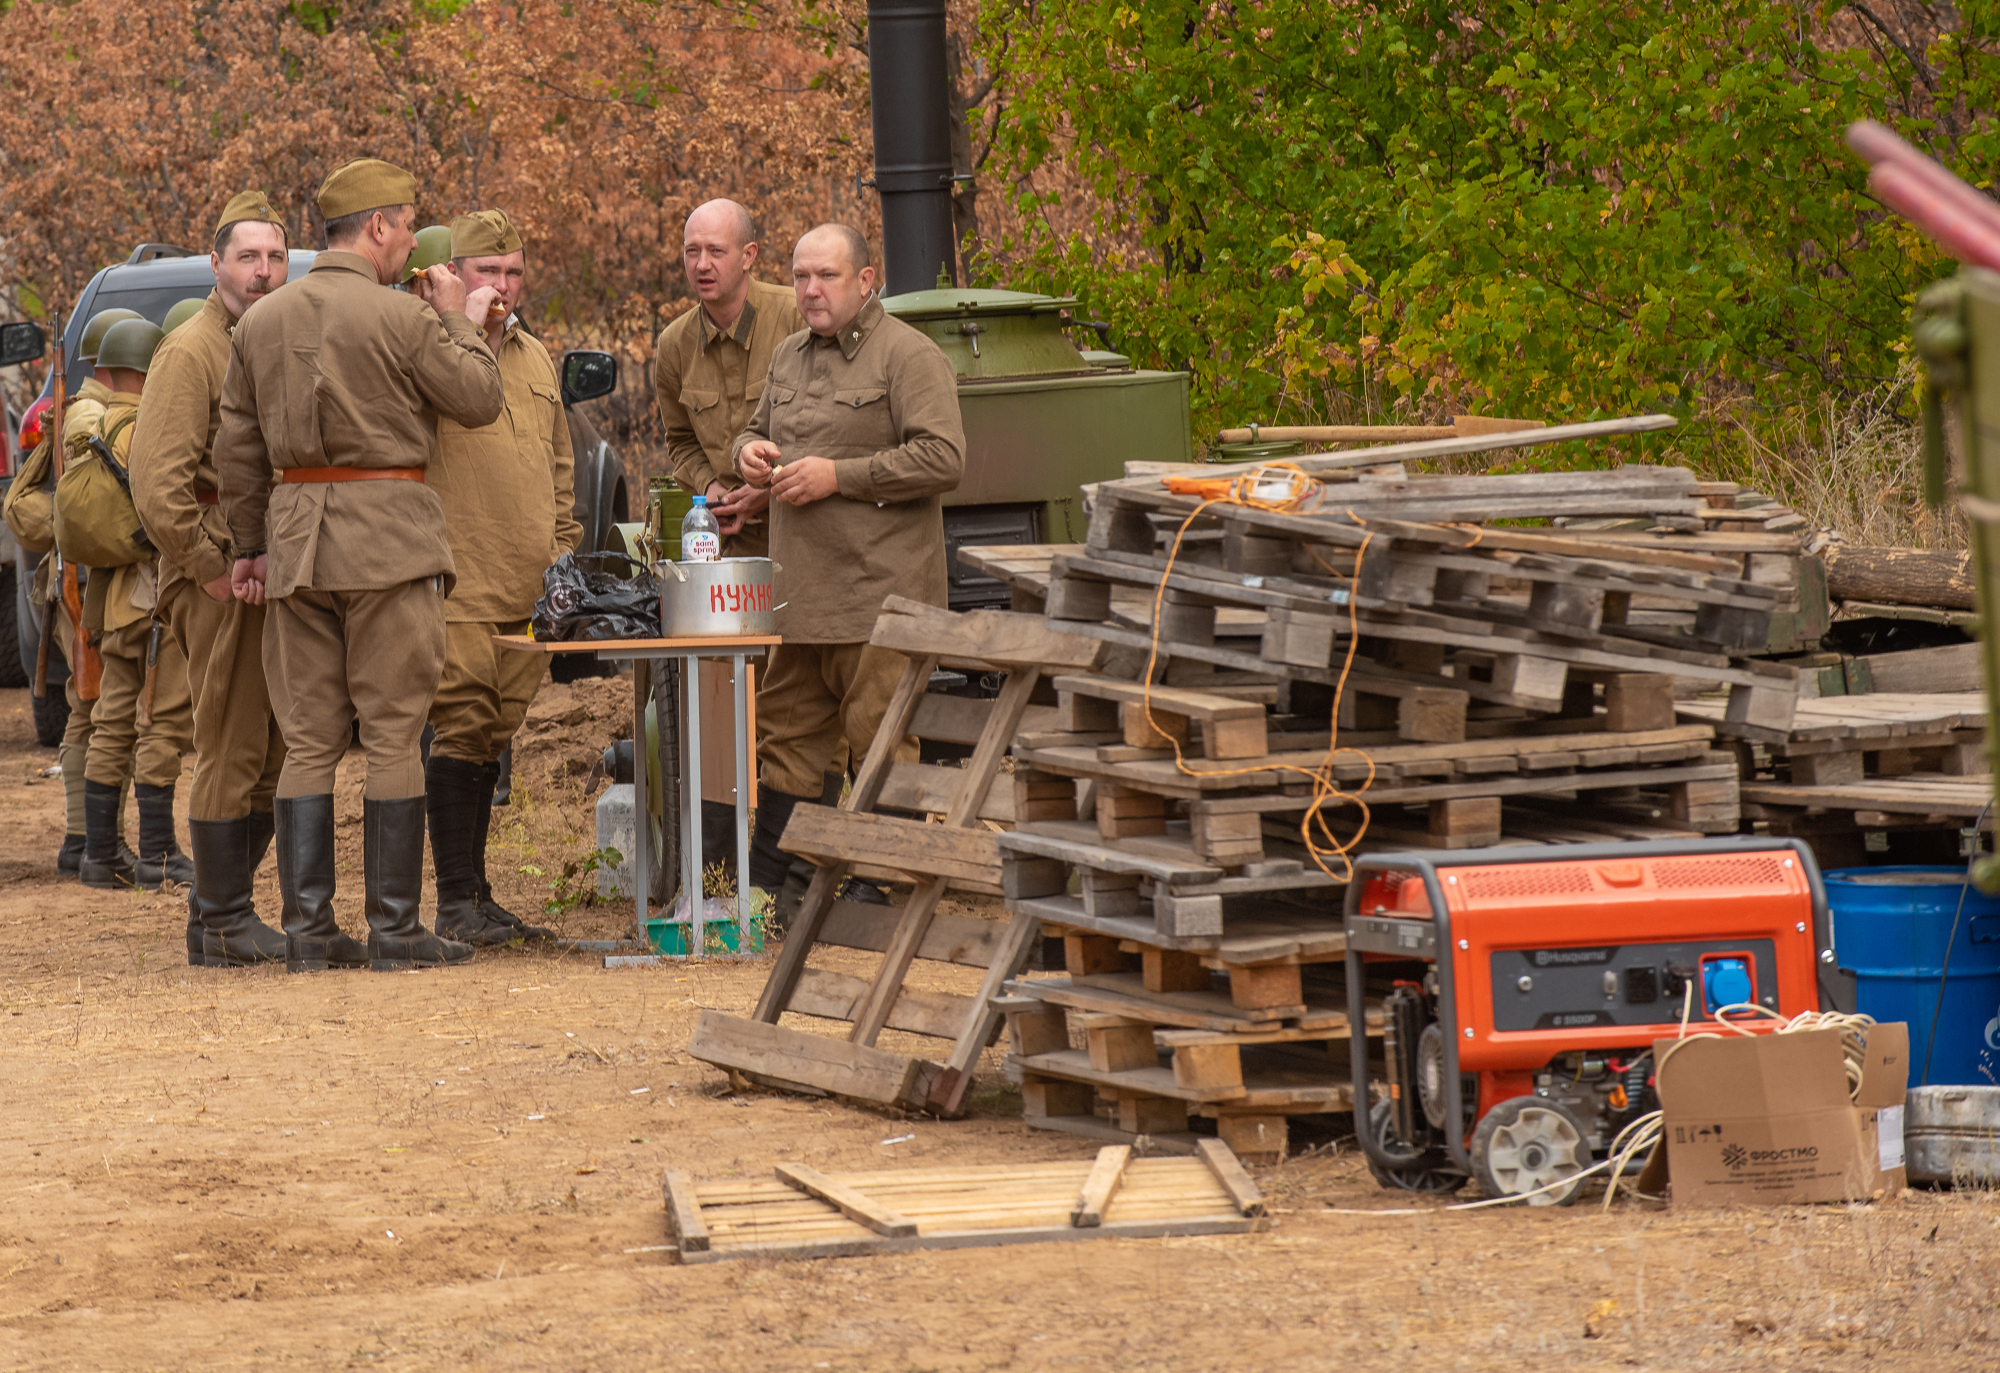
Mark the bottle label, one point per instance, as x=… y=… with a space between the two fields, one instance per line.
x=700 y=546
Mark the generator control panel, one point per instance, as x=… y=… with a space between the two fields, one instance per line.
x=1629 y=984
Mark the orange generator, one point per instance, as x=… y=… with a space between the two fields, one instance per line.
x=1522 y=990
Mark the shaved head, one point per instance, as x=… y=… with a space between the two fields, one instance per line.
x=851 y=240
x=723 y=219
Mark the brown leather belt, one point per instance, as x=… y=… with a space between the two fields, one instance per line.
x=207 y=496
x=351 y=474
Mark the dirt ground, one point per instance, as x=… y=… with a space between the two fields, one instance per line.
x=223 y=1169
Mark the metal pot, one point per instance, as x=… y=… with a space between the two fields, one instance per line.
x=728 y=597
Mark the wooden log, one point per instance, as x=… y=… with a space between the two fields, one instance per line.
x=1901 y=576
x=1106 y=1175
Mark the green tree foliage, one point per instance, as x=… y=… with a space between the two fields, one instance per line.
x=1560 y=208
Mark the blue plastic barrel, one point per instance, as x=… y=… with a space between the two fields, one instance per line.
x=1890 y=929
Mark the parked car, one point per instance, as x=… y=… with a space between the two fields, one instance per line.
x=152 y=280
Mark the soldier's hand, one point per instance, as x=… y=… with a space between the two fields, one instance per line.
x=221 y=589
x=446 y=292
x=479 y=306
x=734 y=509
x=246 y=579
x=755 y=460
x=806 y=480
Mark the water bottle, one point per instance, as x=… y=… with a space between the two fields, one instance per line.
x=701 y=541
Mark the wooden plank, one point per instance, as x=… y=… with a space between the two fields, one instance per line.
x=855 y=1205
x=1106 y=1174
x=684 y=1212
x=931 y=788
x=950 y=938
x=1249 y=1201
x=831 y=995
x=1954 y=667
x=999 y=637
x=950 y=719
x=790 y=1056
x=947 y=1093
x=1075 y=1065
x=827 y=835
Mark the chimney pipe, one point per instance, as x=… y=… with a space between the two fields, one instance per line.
x=912 y=119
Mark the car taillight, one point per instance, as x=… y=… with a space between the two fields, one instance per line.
x=31 y=424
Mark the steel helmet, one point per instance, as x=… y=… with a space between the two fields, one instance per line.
x=93 y=332
x=183 y=311
x=433 y=247
x=129 y=343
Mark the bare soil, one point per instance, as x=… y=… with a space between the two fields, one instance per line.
x=224 y=1169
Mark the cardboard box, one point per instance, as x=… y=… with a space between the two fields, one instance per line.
x=1766 y=1120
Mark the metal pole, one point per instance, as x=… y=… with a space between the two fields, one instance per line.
x=741 y=683
x=909 y=87
x=691 y=751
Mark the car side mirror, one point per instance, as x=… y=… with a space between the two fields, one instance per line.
x=21 y=342
x=587 y=375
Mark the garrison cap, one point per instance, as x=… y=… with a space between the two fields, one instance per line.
x=484 y=233
x=366 y=183
x=129 y=344
x=93 y=332
x=183 y=311
x=250 y=205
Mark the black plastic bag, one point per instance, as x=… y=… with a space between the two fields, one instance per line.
x=582 y=600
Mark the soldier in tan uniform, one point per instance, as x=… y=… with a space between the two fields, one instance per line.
x=237 y=748
x=133 y=739
x=858 y=437
x=708 y=371
x=509 y=497
x=329 y=417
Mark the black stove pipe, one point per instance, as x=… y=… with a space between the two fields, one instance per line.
x=912 y=117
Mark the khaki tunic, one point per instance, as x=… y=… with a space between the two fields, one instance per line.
x=508 y=489
x=83 y=411
x=170 y=448
x=337 y=370
x=882 y=402
x=709 y=384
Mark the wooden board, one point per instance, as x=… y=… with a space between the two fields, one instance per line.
x=1958 y=797
x=802 y=1213
x=724 y=644
x=1868 y=721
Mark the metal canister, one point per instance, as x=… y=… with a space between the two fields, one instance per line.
x=1951 y=1135
x=728 y=597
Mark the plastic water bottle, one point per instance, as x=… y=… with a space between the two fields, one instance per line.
x=701 y=541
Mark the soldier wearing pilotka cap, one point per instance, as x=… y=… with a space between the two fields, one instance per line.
x=238 y=749
x=329 y=418
x=509 y=508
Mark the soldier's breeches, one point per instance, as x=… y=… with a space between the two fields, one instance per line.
x=120 y=750
x=75 y=751
x=238 y=750
x=332 y=657
x=810 y=698
x=485 y=692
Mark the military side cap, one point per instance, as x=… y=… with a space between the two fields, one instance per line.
x=433 y=247
x=484 y=233
x=183 y=311
x=93 y=332
x=129 y=344
x=249 y=205
x=367 y=183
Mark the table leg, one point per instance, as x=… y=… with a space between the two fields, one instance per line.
x=691 y=751
x=744 y=789
x=642 y=825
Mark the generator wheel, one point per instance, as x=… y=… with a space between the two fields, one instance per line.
x=1416 y=1170
x=1528 y=1143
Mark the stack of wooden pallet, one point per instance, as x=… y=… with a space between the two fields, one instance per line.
x=1490 y=683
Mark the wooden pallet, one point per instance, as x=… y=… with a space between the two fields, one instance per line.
x=802 y=1213
x=857 y=838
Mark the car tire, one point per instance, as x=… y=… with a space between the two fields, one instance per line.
x=51 y=718
x=13 y=667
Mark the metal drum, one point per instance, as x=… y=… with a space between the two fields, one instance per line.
x=728 y=597
x=1951 y=1135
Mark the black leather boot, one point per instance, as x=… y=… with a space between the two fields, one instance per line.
x=491 y=911
x=768 y=863
x=231 y=934
x=263 y=826
x=69 y=858
x=103 y=866
x=313 y=941
x=160 y=856
x=393 y=869
x=452 y=801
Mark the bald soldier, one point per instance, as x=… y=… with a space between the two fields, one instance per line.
x=508 y=490
x=329 y=417
x=237 y=747
x=858 y=438
x=708 y=371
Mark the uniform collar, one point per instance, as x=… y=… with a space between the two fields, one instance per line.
x=340 y=260
x=740 y=331
x=855 y=332
x=217 y=311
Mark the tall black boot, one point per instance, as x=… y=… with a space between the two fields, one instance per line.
x=263 y=826
x=393 y=869
x=313 y=941
x=491 y=911
x=160 y=856
x=453 y=801
x=104 y=866
x=770 y=864
x=231 y=934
